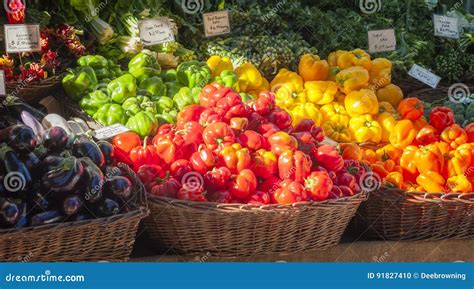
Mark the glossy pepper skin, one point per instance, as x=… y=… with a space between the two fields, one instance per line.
x=144 y=65
x=403 y=134
x=227 y=78
x=391 y=94
x=186 y=96
x=153 y=86
x=381 y=74
x=281 y=141
x=454 y=135
x=365 y=129
x=110 y=114
x=429 y=158
x=219 y=64
x=144 y=155
x=387 y=122
x=410 y=108
x=431 y=182
x=336 y=113
x=361 y=102
x=217 y=135
x=352 y=79
x=193 y=74
x=94 y=101
x=456 y=163
x=320 y=92
x=303 y=111
x=122 y=88
x=289 y=192
x=244 y=184
x=97 y=62
x=459 y=184
x=144 y=123
x=337 y=132
x=235 y=158
x=319 y=184
x=426 y=135
x=264 y=163
x=134 y=105
x=294 y=165
x=328 y=156
x=311 y=67
x=78 y=82
x=354 y=58
x=441 y=117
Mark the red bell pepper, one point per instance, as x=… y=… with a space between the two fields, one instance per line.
x=329 y=157
x=289 y=192
x=191 y=133
x=319 y=184
x=259 y=198
x=144 y=155
x=294 y=166
x=149 y=173
x=211 y=93
x=235 y=158
x=167 y=187
x=470 y=132
x=340 y=192
x=202 y=161
x=264 y=103
x=305 y=125
x=189 y=113
x=209 y=116
x=267 y=129
x=15 y=11
x=281 y=141
x=281 y=118
x=166 y=149
x=126 y=141
x=239 y=124
x=255 y=120
x=441 y=117
x=221 y=197
x=228 y=101
x=244 y=184
x=196 y=195
x=269 y=184
x=264 y=163
x=427 y=135
x=346 y=179
x=252 y=140
x=179 y=168
x=217 y=179
x=218 y=135
x=240 y=110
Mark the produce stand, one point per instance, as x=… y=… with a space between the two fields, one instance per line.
x=149 y=131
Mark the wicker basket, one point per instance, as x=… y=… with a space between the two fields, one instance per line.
x=439 y=94
x=109 y=239
x=244 y=230
x=34 y=92
x=394 y=214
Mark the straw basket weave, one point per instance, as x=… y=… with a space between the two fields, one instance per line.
x=34 y=92
x=109 y=239
x=243 y=230
x=394 y=214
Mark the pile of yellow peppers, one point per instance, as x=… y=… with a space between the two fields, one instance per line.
x=350 y=95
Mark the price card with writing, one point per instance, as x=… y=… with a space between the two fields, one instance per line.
x=216 y=23
x=155 y=31
x=424 y=75
x=2 y=83
x=382 y=40
x=445 y=26
x=110 y=131
x=22 y=38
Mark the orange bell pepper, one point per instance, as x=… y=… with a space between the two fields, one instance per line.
x=443 y=147
x=395 y=178
x=429 y=158
x=387 y=121
x=334 y=56
x=456 y=163
x=432 y=182
x=410 y=108
x=408 y=163
x=459 y=184
x=403 y=134
x=454 y=135
x=379 y=169
x=311 y=67
x=351 y=151
x=389 y=152
x=419 y=123
x=467 y=151
x=425 y=136
x=387 y=107
x=369 y=156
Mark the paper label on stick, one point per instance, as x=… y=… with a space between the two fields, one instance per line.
x=424 y=75
x=2 y=83
x=216 y=23
x=110 y=131
x=22 y=38
x=445 y=26
x=382 y=40
x=155 y=31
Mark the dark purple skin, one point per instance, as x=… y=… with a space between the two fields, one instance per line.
x=55 y=139
x=107 y=150
x=119 y=187
x=72 y=205
x=107 y=207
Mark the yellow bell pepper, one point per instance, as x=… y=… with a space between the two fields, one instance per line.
x=285 y=76
x=336 y=131
x=380 y=72
x=334 y=56
x=395 y=178
x=305 y=110
x=356 y=57
x=218 y=64
x=387 y=121
x=311 y=67
x=320 y=92
x=391 y=94
x=249 y=78
x=361 y=102
x=402 y=134
x=459 y=184
x=352 y=79
x=387 y=107
x=431 y=182
x=365 y=129
x=289 y=94
x=336 y=113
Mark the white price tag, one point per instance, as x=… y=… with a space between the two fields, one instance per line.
x=22 y=38
x=2 y=83
x=382 y=40
x=445 y=26
x=110 y=131
x=155 y=31
x=424 y=75
x=216 y=23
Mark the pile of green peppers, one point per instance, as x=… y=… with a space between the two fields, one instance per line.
x=141 y=98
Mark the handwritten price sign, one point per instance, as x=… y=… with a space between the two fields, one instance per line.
x=155 y=31
x=216 y=23
x=22 y=38
x=382 y=40
x=446 y=26
x=424 y=75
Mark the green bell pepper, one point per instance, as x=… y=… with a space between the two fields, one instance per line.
x=193 y=73
x=94 y=101
x=154 y=85
x=122 y=88
x=187 y=96
x=134 y=105
x=164 y=103
x=246 y=97
x=167 y=117
x=172 y=88
x=227 y=78
x=94 y=61
x=144 y=123
x=78 y=82
x=169 y=75
x=144 y=65
x=110 y=114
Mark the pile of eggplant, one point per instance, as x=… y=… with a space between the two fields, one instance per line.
x=52 y=171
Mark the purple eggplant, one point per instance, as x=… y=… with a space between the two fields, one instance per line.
x=49 y=217
x=64 y=175
x=119 y=188
x=106 y=208
x=84 y=147
x=55 y=139
x=19 y=137
x=107 y=150
x=10 y=213
x=71 y=205
x=18 y=177
x=92 y=181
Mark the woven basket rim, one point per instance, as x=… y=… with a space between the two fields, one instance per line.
x=253 y=207
x=44 y=82
x=141 y=210
x=424 y=197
